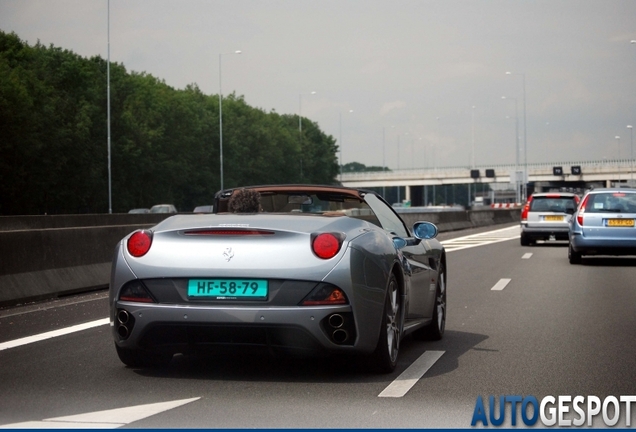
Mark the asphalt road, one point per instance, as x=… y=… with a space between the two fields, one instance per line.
x=548 y=328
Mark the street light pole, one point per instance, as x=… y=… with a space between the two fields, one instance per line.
x=525 y=140
x=300 y=130
x=517 y=192
x=631 y=158
x=383 y=160
x=618 y=144
x=473 y=136
x=110 y=199
x=221 y=117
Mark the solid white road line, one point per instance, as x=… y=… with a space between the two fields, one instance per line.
x=526 y=256
x=500 y=285
x=108 y=419
x=52 y=334
x=411 y=375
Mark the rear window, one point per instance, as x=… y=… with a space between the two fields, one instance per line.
x=611 y=202
x=552 y=204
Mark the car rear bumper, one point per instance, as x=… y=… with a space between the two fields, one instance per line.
x=596 y=246
x=534 y=232
x=182 y=329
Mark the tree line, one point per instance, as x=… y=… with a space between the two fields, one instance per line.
x=164 y=141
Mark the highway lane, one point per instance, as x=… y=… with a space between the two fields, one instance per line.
x=553 y=329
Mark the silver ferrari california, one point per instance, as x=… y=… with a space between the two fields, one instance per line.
x=296 y=269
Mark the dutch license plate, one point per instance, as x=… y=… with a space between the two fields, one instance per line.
x=228 y=289
x=553 y=218
x=620 y=222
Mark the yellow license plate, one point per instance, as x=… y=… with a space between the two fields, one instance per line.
x=553 y=218
x=620 y=222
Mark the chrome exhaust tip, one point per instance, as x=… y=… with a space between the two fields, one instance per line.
x=123 y=316
x=336 y=321
x=122 y=331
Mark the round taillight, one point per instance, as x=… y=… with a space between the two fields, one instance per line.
x=326 y=245
x=139 y=243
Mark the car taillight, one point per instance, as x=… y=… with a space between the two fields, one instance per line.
x=524 y=212
x=135 y=292
x=579 y=215
x=326 y=245
x=139 y=243
x=325 y=294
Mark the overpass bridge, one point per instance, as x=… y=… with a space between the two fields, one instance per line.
x=540 y=176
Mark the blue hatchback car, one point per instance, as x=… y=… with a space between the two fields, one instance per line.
x=604 y=224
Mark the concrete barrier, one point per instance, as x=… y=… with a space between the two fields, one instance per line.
x=52 y=256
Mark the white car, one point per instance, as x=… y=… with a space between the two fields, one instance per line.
x=546 y=216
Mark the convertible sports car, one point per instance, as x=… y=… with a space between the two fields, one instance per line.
x=316 y=269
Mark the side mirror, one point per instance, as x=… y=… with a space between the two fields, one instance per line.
x=424 y=230
x=570 y=210
x=399 y=242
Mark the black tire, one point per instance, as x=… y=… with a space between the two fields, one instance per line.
x=384 y=358
x=435 y=330
x=524 y=240
x=573 y=256
x=141 y=359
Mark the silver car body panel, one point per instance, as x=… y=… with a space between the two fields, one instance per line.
x=361 y=269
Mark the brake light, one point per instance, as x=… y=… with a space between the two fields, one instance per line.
x=139 y=243
x=233 y=231
x=524 y=212
x=326 y=245
x=579 y=215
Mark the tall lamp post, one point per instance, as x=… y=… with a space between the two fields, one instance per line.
x=110 y=199
x=340 y=146
x=517 y=192
x=618 y=145
x=383 y=160
x=221 y=116
x=525 y=141
x=300 y=129
x=631 y=158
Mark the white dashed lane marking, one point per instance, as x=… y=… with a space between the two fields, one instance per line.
x=500 y=285
x=481 y=239
x=52 y=334
x=108 y=419
x=526 y=256
x=411 y=375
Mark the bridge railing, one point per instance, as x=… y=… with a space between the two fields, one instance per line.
x=463 y=171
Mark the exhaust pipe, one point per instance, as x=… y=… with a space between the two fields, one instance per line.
x=126 y=323
x=122 y=331
x=339 y=336
x=123 y=316
x=336 y=321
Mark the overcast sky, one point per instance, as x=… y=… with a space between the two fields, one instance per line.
x=427 y=74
